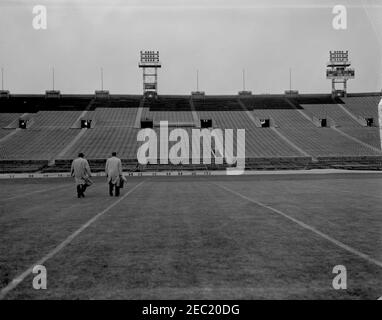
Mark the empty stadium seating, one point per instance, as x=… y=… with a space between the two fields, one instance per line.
x=293 y=141
x=367 y=135
x=325 y=142
x=54 y=119
x=285 y=118
x=364 y=106
x=227 y=119
x=114 y=117
x=332 y=111
x=7 y=118
x=170 y=116
x=4 y=132
x=36 y=144
x=264 y=142
x=100 y=142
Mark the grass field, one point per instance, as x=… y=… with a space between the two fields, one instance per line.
x=247 y=237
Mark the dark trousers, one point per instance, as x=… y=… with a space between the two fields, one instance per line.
x=81 y=190
x=111 y=188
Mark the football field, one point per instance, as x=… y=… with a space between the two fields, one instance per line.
x=243 y=237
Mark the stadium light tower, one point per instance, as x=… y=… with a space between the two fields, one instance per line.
x=244 y=92
x=290 y=92
x=3 y=93
x=339 y=71
x=197 y=93
x=150 y=63
x=102 y=94
x=52 y=93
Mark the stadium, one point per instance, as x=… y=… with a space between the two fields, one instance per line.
x=308 y=200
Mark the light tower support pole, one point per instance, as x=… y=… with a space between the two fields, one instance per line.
x=53 y=78
x=101 y=79
x=197 y=80
x=243 y=79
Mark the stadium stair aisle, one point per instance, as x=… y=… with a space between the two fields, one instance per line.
x=365 y=106
x=368 y=135
x=367 y=145
x=6 y=134
x=100 y=142
x=194 y=114
x=256 y=122
x=332 y=111
x=138 y=117
x=67 y=147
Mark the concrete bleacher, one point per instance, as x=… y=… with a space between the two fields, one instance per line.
x=35 y=144
x=285 y=118
x=294 y=142
x=4 y=132
x=170 y=116
x=7 y=118
x=115 y=117
x=363 y=106
x=264 y=142
x=175 y=110
x=332 y=111
x=227 y=119
x=100 y=142
x=259 y=143
x=54 y=119
x=325 y=142
x=369 y=135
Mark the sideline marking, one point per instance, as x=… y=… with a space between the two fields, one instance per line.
x=308 y=227
x=16 y=281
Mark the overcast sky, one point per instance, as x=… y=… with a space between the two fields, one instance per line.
x=219 y=38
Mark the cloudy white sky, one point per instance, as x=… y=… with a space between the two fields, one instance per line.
x=219 y=38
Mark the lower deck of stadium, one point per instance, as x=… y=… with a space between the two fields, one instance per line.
x=54 y=135
x=247 y=237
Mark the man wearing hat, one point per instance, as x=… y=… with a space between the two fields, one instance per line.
x=81 y=172
x=114 y=175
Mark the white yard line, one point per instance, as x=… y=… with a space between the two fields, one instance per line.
x=20 y=278
x=307 y=227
